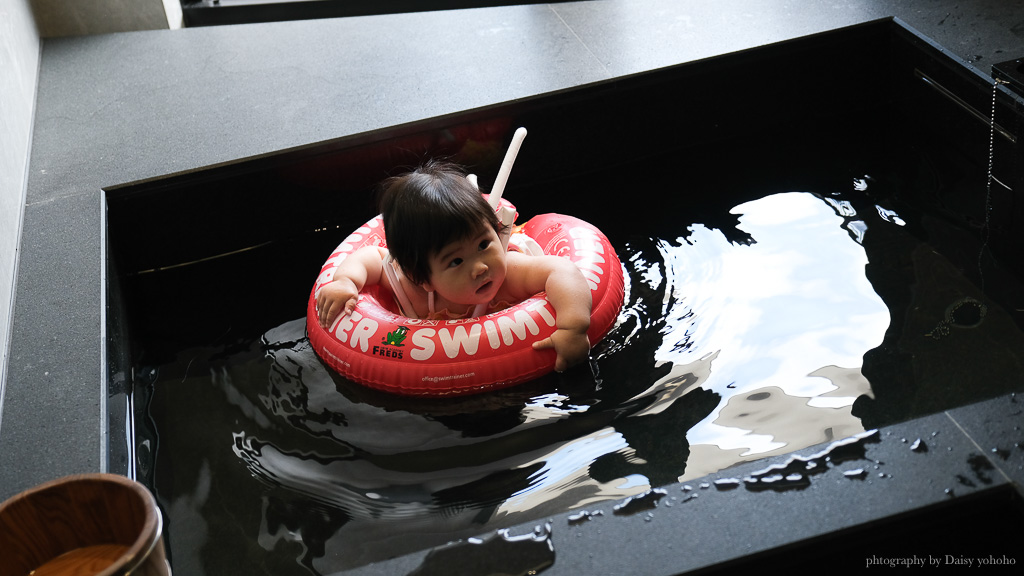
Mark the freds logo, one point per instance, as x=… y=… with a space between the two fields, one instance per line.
x=391 y=345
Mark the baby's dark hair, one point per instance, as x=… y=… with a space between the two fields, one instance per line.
x=427 y=209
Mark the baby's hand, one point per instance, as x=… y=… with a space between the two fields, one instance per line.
x=340 y=296
x=571 y=347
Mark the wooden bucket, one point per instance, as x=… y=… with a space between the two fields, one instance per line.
x=89 y=524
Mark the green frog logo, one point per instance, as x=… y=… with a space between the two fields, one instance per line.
x=395 y=338
x=390 y=344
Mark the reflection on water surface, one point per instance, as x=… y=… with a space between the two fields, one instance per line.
x=732 y=346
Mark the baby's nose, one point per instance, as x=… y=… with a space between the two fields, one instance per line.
x=479 y=268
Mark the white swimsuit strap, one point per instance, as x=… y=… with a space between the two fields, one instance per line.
x=395 y=278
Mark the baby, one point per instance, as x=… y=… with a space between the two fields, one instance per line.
x=445 y=257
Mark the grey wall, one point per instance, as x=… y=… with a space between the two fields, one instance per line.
x=19 y=69
x=82 y=17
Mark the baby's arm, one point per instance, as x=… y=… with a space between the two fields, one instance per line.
x=362 y=267
x=569 y=295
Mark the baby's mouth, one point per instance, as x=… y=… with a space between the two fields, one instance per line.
x=484 y=287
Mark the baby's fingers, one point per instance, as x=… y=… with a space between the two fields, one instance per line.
x=325 y=315
x=544 y=344
x=560 y=363
x=333 y=309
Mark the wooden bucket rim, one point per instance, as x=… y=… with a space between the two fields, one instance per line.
x=152 y=522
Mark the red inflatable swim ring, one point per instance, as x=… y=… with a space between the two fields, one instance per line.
x=382 y=349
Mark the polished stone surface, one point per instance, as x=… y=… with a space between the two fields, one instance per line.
x=123 y=107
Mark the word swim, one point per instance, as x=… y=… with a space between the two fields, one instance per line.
x=461 y=340
x=589 y=255
x=943 y=560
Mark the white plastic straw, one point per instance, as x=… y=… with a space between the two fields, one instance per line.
x=506 y=167
x=506 y=215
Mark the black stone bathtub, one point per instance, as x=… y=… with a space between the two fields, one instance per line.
x=198 y=258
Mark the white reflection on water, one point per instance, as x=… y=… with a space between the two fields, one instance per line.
x=785 y=320
x=776 y=327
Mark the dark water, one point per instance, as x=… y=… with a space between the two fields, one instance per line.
x=813 y=318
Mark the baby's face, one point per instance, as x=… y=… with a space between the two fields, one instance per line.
x=469 y=271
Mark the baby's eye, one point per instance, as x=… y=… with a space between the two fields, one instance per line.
x=455 y=262
x=484 y=244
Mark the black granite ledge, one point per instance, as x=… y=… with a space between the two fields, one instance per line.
x=917 y=489
x=52 y=421
x=995 y=428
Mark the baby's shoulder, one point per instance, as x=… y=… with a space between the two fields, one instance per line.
x=526 y=275
x=530 y=262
